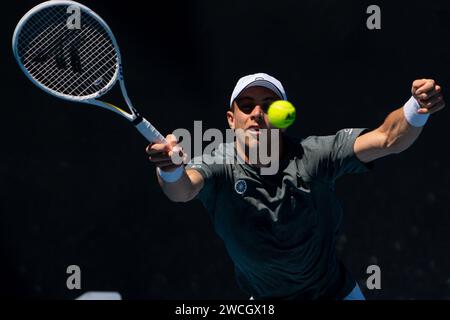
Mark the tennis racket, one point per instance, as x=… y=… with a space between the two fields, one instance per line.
x=69 y=51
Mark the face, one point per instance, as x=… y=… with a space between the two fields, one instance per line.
x=249 y=113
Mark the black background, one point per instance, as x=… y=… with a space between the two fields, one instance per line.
x=76 y=186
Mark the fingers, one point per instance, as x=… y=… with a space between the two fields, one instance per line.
x=435 y=108
x=416 y=85
x=431 y=102
x=421 y=85
x=166 y=156
x=171 y=140
x=427 y=95
x=177 y=155
x=176 y=152
x=160 y=157
x=155 y=148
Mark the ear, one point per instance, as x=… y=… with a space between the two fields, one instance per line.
x=230 y=118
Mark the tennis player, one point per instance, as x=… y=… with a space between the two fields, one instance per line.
x=280 y=230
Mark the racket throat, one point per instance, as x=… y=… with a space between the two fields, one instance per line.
x=138 y=120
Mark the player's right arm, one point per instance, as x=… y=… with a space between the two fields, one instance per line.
x=188 y=185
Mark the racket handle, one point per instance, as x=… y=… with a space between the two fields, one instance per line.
x=150 y=132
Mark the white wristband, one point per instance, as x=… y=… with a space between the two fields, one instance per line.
x=410 y=111
x=172 y=176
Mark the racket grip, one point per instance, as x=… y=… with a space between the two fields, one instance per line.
x=150 y=132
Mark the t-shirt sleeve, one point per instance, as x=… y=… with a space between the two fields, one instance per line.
x=330 y=157
x=211 y=173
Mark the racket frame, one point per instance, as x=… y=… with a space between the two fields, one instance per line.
x=141 y=124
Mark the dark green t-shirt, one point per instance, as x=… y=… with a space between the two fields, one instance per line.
x=280 y=230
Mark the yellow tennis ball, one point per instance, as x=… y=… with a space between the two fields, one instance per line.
x=281 y=114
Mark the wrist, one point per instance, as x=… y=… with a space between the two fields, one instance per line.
x=171 y=176
x=412 y=116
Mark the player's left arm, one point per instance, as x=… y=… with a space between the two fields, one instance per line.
x=401 y=127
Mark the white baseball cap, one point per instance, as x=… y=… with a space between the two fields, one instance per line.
x=258 y=80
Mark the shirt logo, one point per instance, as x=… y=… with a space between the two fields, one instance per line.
x=240 y=186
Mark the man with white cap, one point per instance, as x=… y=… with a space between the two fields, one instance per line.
x=280 y=229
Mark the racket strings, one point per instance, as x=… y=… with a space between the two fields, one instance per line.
x=67 y=81
x=39 y=32
x=49 y=70
x=95 y=55
x=71 y=62
x=96 y=69
x=36 y=25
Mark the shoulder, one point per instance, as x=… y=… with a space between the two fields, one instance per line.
x=330 y=156
x=342 y=136
x=212 y=164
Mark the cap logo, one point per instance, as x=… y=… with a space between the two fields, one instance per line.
x=240 y=186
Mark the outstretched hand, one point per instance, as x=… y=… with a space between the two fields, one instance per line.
x=168 y=156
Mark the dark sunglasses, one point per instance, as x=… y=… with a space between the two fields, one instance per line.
x=248 y=106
